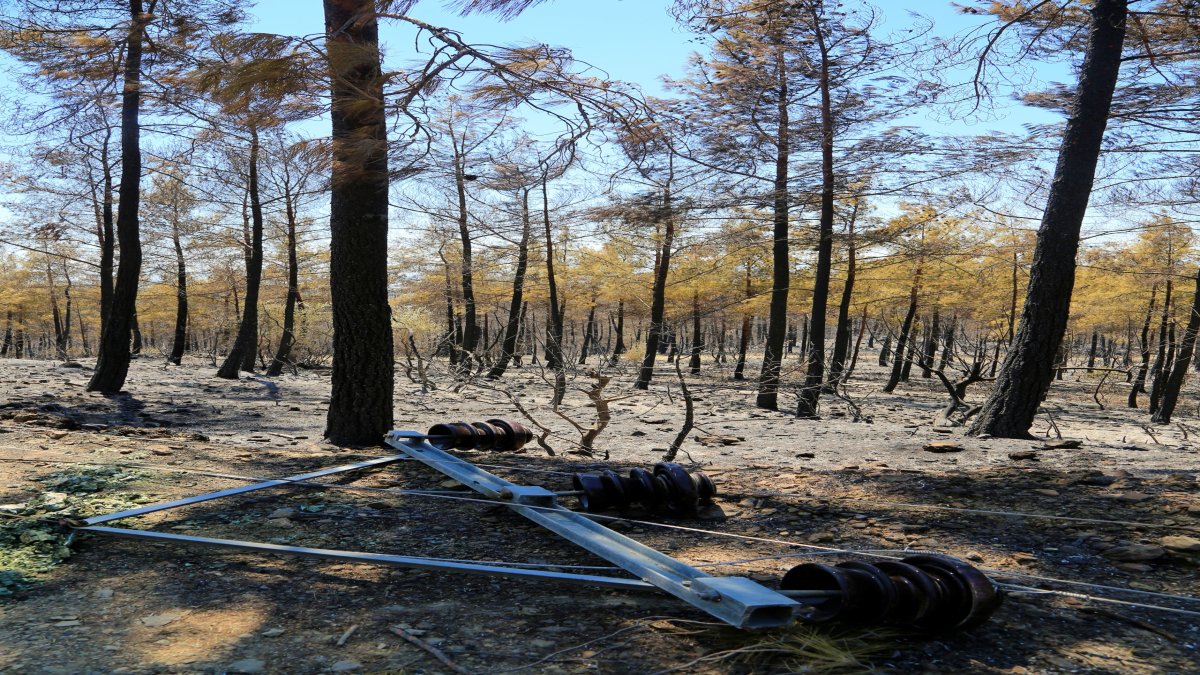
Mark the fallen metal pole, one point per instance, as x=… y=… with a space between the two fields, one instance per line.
x=187 y=501
x=379 y=559
x=737 y=601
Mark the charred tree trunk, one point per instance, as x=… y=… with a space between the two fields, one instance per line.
x=283 y=355
x=8 y=333
x=112 y=361
x=810 y=393
x=931 y=342
x=360 y=407
x=697 y=338
x=768 y=379
x=1028 y=367
x=1160 y=366
x=181 y=295
x=841 y=340
x=619 y=348
x=1187 y=346
x=905 y=335
x=508 y=348
x=135 y=345
x=1139 y=381
x=948 y=342
x=739 y=371
x=589 y=335
x=554 y=327
x=470 y=340
x=102 y=203
x=658 y=297
x=245 y=345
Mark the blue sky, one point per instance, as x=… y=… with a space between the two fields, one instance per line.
x=632 y=40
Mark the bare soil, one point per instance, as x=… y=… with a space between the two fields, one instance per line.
x=122 y=606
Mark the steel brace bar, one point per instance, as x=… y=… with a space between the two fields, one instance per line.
x=738 y=601
x=187 y=501
x=378 y=558
x=93 y=525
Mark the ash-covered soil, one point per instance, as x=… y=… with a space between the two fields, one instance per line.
x=888 y=483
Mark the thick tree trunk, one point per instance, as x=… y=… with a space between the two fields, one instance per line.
x=245 y=345
x=658 y=297
x=508 y=348
x=283 y=355
x=181 y=296
x=360 y=407
x=1028 y=367
x=768 y=379
x=112 y=362
x=1174 y=383
x=813 y=380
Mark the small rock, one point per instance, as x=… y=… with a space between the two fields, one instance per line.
x=159 y=620
x=712 y=512
x=1134 y=553
x=1182 y=543
x=638 y=432
x=1136 y=567
x=806 y=455
x=1024 y=558
x=103 y=594
x=272 y=632
x=1144 y=447
x=58 y=435
x=1133 y=497
x=284 y=512
x=345 y=666
x=67 y=624
x=1063 y=444
x=161 y=451
x=943 y=447
x=1048 y=492
x=721 y=440
x=247 y=666
x=1023 y=455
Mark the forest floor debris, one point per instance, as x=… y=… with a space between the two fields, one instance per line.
x=1113 y=515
